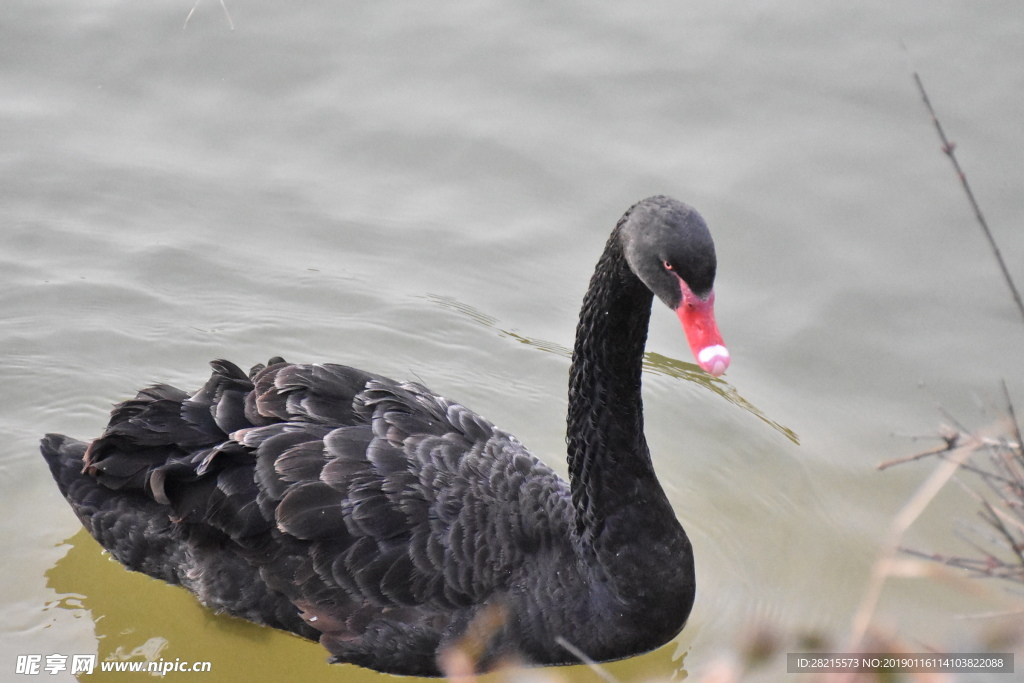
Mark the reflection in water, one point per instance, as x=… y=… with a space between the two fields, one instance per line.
x=663 y=365
x=654 y=363
x=489 y=322
x=138 y=618
x=149 y=651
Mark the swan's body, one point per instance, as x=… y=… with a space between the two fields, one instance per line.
x=382 y=519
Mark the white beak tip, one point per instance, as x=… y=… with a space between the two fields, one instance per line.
x=714 y=360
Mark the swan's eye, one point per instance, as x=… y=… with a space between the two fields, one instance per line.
x=668 y=266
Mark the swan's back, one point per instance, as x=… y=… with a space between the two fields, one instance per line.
x=375 y=516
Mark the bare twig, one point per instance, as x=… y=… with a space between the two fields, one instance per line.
x=949 y=149
x=227 y=14
x=1015 y=426
x=585 y=659
x=1002 y=511
x=949 y=436
x=959 y=451
x=996 y=520
x=989 y=615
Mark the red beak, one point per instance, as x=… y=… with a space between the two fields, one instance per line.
x=698 y=318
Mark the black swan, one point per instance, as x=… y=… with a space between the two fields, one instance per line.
x=386 y=521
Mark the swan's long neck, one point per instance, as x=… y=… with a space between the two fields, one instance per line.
x=637 y=555
x=609 y=462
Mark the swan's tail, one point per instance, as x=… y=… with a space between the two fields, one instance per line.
x=135 y=530
x=140 y=534
x=64 y=456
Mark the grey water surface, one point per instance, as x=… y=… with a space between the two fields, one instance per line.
x=421 y=189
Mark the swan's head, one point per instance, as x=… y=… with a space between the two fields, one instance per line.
x=668 y=246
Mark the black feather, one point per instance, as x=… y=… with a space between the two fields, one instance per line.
x=312 y=511
x=302 y=462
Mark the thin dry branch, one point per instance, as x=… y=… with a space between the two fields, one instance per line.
x=950 y=436
x=958 y=452
x=998 y=462
x=949 y=149
x=231 y=24
x=579 y=654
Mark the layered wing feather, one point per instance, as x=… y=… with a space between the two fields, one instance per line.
x=383 y=512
